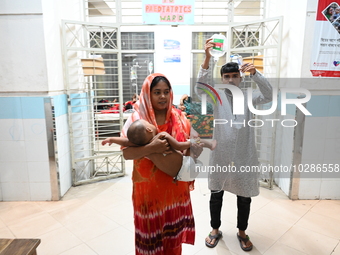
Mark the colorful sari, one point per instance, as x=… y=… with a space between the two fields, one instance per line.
x=162 y=208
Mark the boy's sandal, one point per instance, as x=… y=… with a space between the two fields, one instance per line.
x=244 y=240
x=216 y=237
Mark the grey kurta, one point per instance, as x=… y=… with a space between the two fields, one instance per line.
x=235 y=143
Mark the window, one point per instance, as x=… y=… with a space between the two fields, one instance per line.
x=135 y=65
x=198 y=42
x=138 y=41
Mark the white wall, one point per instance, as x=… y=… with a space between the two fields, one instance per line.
x=20 y=6
x=294 y=19
x=23 y=64
x=320 y=141
x=31 y=57
x=54 y=13
x=179 y=74
x=32 y=54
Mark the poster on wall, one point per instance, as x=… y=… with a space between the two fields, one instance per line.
x=172 y=51
x=168 y=12
x=325 y=60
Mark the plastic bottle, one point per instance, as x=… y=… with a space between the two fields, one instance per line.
x=220 y=45
x=236 y=58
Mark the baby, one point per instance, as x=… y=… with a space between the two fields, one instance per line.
x=174 y=164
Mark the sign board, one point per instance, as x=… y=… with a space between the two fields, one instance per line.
x=325 y=60
x=168 y=12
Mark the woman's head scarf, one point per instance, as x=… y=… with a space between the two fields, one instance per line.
x=178 y=125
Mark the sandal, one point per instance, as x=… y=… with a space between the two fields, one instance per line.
x=216 y=237
x=244 y=240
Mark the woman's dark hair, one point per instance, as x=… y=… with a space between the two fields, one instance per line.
x=328 y=8
x=158 y=79
x=230 y=67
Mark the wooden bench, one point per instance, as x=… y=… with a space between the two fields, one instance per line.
x=19 y=246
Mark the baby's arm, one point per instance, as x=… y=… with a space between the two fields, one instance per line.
x=180 y=146
x=122 y=141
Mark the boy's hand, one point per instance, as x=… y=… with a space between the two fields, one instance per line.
x=248 y=67
x=208 y=45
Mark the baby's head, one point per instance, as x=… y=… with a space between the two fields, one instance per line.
x=141 y=132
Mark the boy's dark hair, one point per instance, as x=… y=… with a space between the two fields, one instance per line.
x=230 y=67
x=137 y=133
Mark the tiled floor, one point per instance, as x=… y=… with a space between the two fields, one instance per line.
x=97 y=219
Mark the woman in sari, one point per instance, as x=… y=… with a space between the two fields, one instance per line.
x=163 y=215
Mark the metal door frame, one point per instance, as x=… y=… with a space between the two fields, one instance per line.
x=89 y=162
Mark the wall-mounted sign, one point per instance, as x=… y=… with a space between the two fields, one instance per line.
x=172 y=51
x=325 y=60
x=170 y=12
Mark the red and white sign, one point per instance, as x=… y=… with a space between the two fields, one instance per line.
x=168 y=12
x=325 y=60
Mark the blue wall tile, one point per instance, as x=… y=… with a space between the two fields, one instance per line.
x=33 y=107
x=60 y=105
x=334 y=106
x=318 y=106
x=10 y=108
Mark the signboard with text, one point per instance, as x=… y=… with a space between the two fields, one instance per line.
x=325 y=60
x=168 y=12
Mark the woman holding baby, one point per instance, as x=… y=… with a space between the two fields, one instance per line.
x=162 y=208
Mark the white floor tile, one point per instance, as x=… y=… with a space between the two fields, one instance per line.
x=308 y=241
x=57 y=242
x=98 y=219
x=18 y=211
x=35 y=226
x=117 y=241
x=321 y=224
x=280 y=249
x=337 y=250
x=5 y=232
x=82 y=249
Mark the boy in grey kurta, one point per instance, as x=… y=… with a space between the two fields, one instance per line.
x=235 y=147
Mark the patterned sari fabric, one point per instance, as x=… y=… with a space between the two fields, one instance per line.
x=162 y=208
